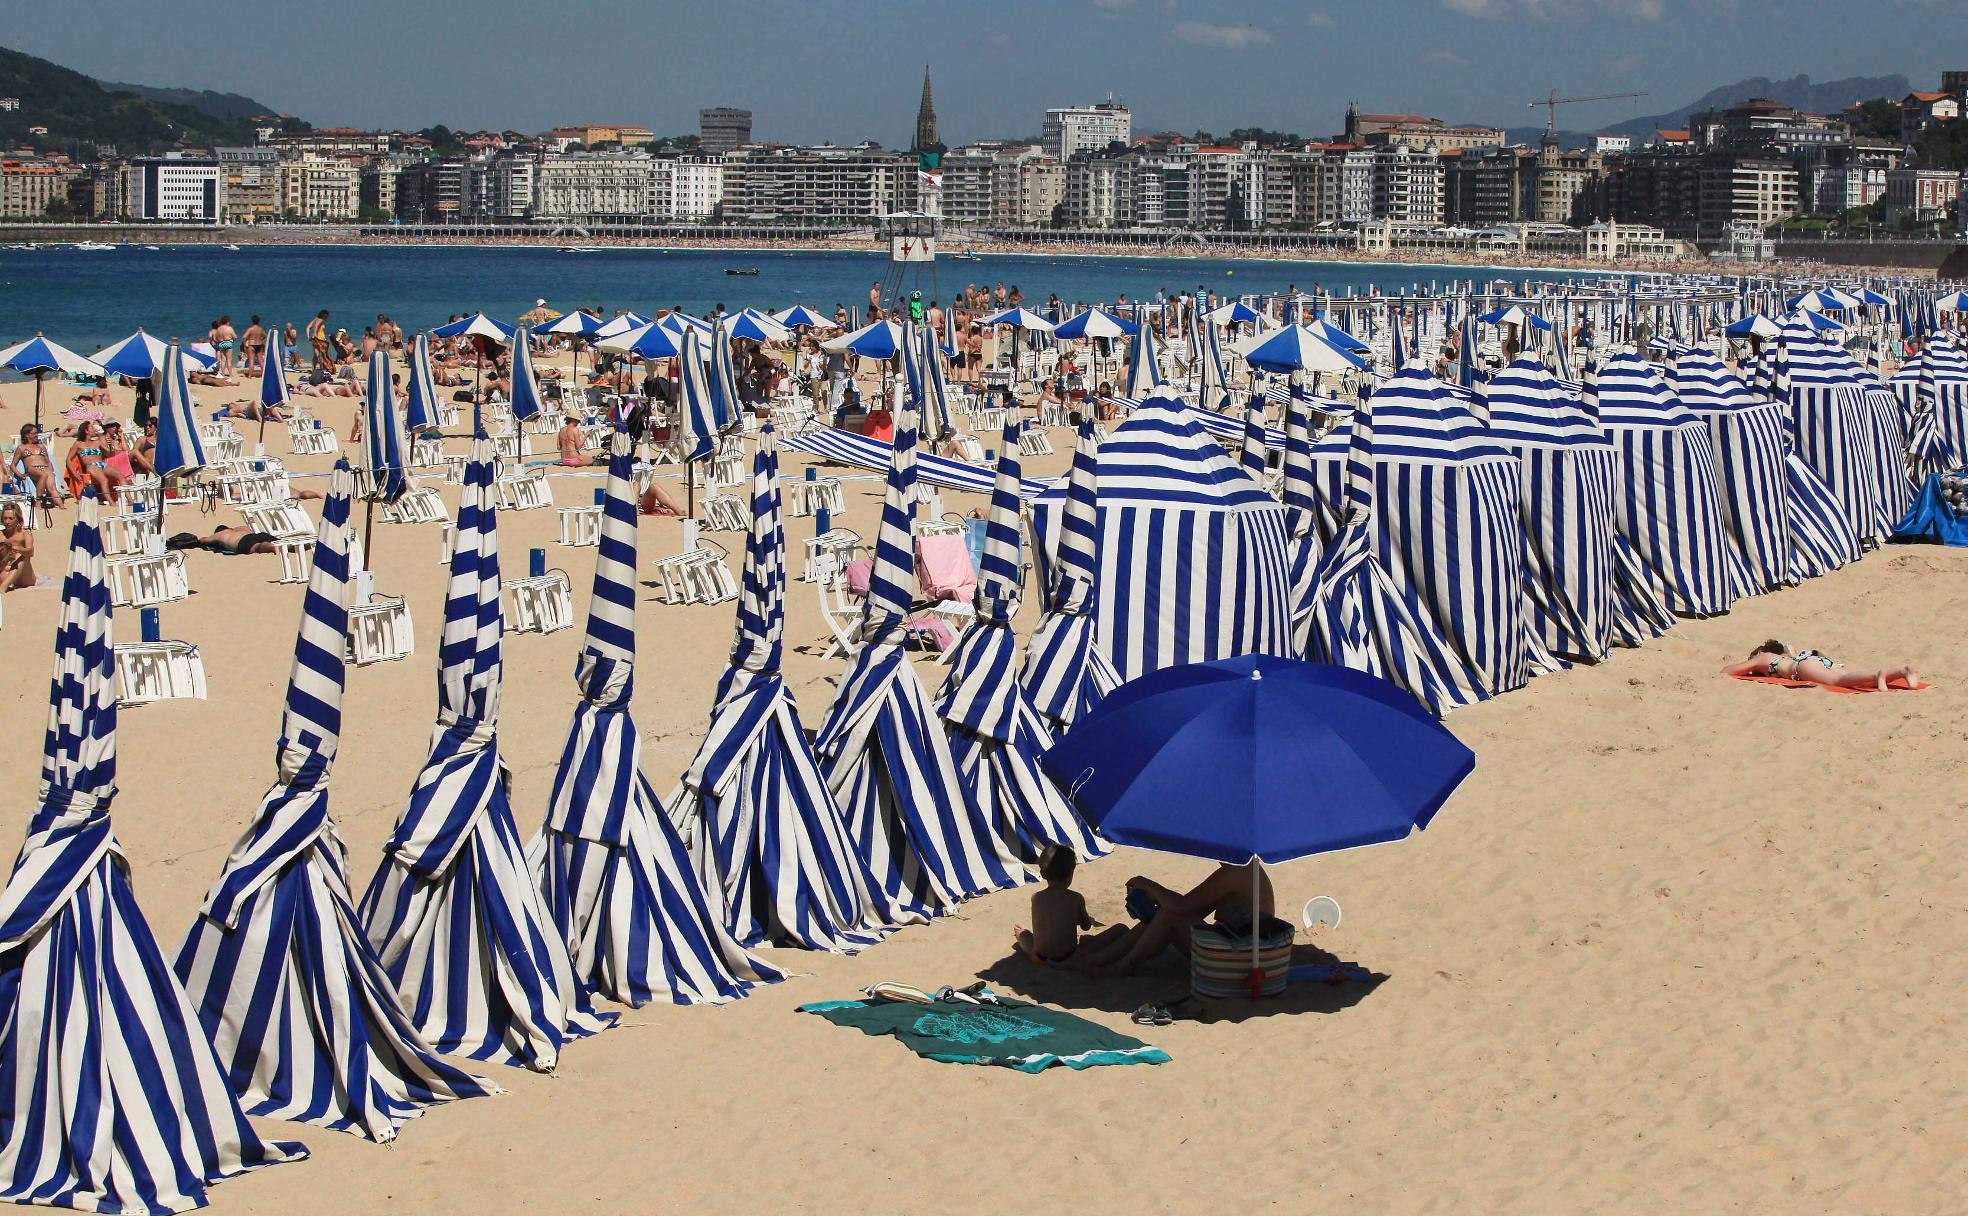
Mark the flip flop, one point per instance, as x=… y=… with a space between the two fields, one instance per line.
x=1151 y=1015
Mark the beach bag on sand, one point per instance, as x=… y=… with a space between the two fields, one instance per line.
x=1220 y=965
x=944 y=569
x=859 y=573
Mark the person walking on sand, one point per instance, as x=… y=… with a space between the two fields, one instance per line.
x=317 y=333
x=253 y=343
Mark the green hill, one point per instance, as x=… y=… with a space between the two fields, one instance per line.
x=77 y=111
x=224 y=106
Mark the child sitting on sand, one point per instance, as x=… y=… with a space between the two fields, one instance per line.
x=1058 y=914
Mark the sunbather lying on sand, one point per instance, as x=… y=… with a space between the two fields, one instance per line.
x=1773 y=660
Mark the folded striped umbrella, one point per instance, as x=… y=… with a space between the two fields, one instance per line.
x=420 y=411
x=116 y=1101
x=526 y=398
x=452 y=909
x=178 y=447
x=769 y=839
x=996 y=734
x=726 y=408
x=700 y=426
x=1254 y=455
x=617 y=882
x=882 y=750
x=292 y=994
x=385 y=446
x=1144 y=371
x=1066 y=672
x=273 y=370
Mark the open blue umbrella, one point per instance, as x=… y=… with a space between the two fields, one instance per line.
x=650 y=341
x=1516 y=315
x=37 y=357
x=141 y=355
x=1296 y=348
x=478 y=325
x=800 y=314
x=878 y=340
x=756 y=326
x=1094 y=323
x=1258 y=757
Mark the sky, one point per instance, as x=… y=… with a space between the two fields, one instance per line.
x=848 y=70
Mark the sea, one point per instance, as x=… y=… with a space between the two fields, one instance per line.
x=86 y=299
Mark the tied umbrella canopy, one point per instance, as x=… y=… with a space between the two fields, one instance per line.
x=616 y=878
x=421 y=410
x=385 y=446
x=996 y=734
x=178 y=445
x=273 y=378
x=1144 y=371
x=289 y=989
x=526 y=398
x=116 y=1100
x=1258 y=757
x=1066 y=670
x=767 y=835
x=452 y=910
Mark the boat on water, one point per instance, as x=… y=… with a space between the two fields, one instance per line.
x=92 y=245
x=232 y=249
x=581 y=249
x=968 y=255
x=152 y=248
x=747 y=271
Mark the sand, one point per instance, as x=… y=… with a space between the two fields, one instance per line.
x=1681 y=944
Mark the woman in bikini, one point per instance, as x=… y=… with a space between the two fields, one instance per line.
x=38 y=466
x=1773 y=660
x=16 y=550
x=86 y=464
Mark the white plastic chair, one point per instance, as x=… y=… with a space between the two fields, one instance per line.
x=158 y=671
x=542 y=604
x=580 y=527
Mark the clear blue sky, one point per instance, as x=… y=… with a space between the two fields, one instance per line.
x=851 y=69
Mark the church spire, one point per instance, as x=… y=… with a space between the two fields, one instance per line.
x=926 y=140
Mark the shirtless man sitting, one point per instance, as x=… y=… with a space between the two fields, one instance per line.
x=1224 y=897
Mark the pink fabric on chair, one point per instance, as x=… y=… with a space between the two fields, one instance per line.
x=934 y=630
x=943 y=568
x=859 y=573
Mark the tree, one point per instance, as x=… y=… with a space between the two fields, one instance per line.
x=1877 y=119
x=58 y=209
x=1943 y=146
x=369 y=213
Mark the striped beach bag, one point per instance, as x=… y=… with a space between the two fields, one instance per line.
x=1220 y=965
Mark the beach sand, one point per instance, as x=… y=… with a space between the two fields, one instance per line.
x=1681 y=944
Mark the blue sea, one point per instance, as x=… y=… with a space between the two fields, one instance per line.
x=86 y=299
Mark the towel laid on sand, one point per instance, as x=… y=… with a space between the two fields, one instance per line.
x=1007 y=1033
x=1896 y=684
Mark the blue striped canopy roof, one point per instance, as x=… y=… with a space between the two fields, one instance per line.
x=1528 y=405
x=1706 y=385
x=1631 y=393
x=1417 y=417
x=1164 y=456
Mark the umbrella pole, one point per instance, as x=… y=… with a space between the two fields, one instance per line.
x=37 y=399
x=1257 y=929
x=478 y=387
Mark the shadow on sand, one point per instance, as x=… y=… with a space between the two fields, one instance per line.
x=1166 y=982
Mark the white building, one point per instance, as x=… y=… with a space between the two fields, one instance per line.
x=594 y=185
x=320 y=188
x=1026 y=186
x=174 y=188
x=816 y=185
x=1070 y=129
x=1612 y=143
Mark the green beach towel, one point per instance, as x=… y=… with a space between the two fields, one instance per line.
x=1010 y=1034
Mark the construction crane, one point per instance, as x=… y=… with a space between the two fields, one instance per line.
x=1552 y=103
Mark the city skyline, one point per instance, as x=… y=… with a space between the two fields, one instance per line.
x=1177 y=64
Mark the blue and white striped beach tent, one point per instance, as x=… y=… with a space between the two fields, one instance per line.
x=452 y=910
x=1832 y=425
x=769 y=841
x=1191 y=552
x=1446 y=527
x=617 y=881
x=1747 y=434
x=1666 y=502
x=1944 y=366
x=861 y=451
x=290 y=991
x=1066 y=672
x=996 y=735
x=881 y=747
x=1354 y=613
x=1926 y=454
x=1565 y=466
x=116 y=1101
x=1821 y=537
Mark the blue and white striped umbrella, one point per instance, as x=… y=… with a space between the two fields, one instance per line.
x=936 y=388
x=288 y=988
x=576 y=324
x=700 y=426
x=726 y=408
x=141 y=355
x=1953 y=301
x=650 y=341
x=1254 y=456
x=883 y=751
x=1926 y=455
x=273 y=371
x=860 y=451
x=452 y=909
x=38 y=356
x=1297 y=349
x=1213 y=391
x=1093 y=323
x=800 y=314
x=879 y=340
x=1517 y=315
x=421 y=410
x=618 y=325
x=769 y=840
x=178 y=447
x=996 y=734
x=1066 y=672
x=116 y=1101
x=526 y=398
x=617 y=881
x=478 y=325
x=385 y=445
x=1019 y=318
x=1144 y=369
x=756 y=326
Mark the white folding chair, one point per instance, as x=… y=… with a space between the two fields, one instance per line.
x=828 y=554
x=1034 y=442
x=580 y=527
x=143 y=579
x=293 y=535
x=419 y=505
x=523 y=490
x=542 y=604
x=158 y=671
